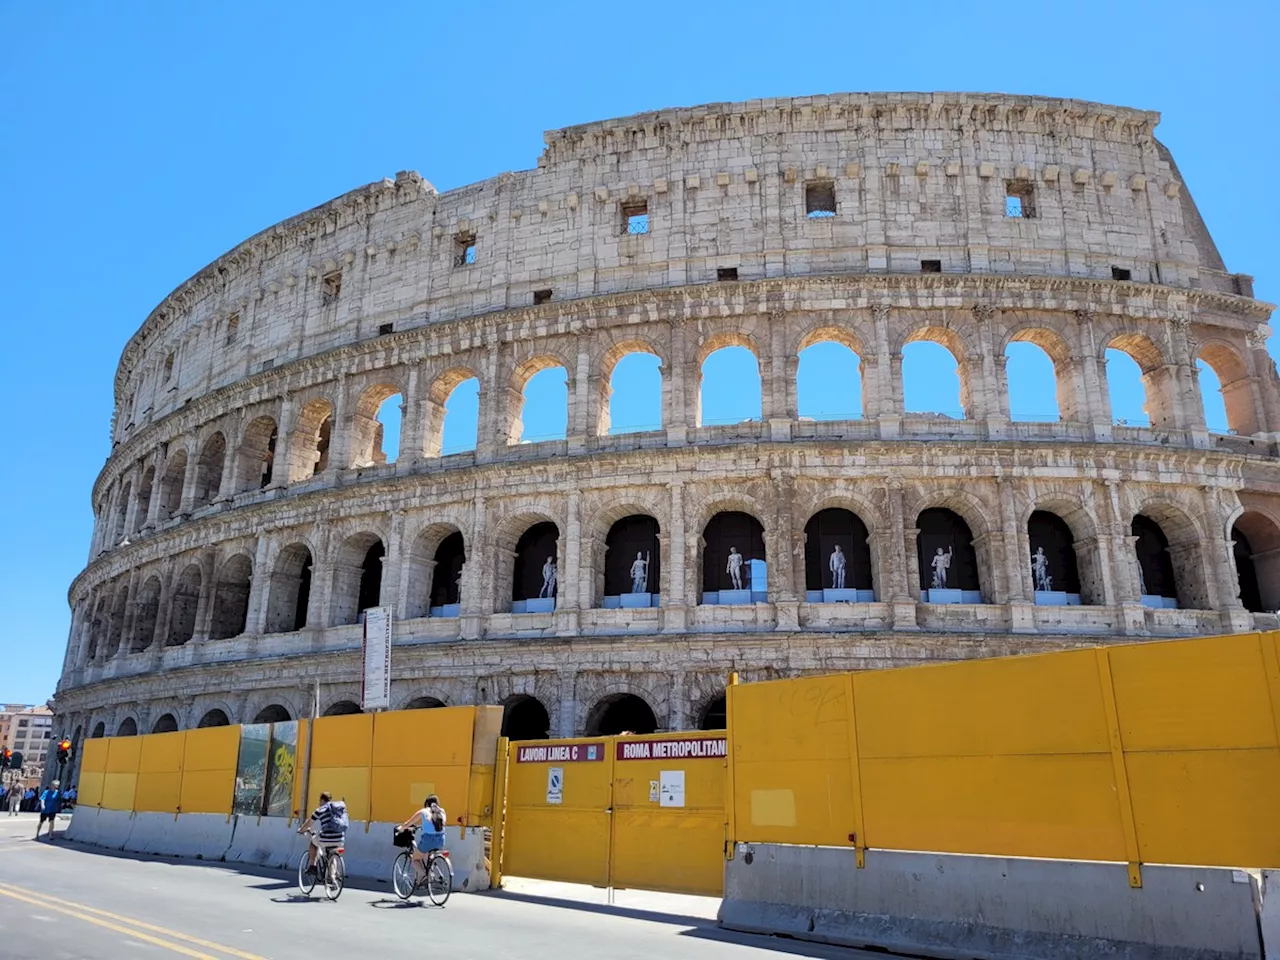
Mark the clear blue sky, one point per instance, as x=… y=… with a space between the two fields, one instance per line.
x=140 y=141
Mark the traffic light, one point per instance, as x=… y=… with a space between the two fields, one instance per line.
x=64 y=750
x=15 y=760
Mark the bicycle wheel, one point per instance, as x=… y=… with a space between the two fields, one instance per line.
x=439 y=880
x=404 y=876
x=335 y=876
x=305 y=883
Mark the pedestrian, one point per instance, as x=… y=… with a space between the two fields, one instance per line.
x=49 y=802
x=14 y=798
x=29 y=803
x=69 y=798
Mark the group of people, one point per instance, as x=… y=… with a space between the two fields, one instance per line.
x=19 y=799
x=328 y=831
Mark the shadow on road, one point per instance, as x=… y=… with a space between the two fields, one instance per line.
x=788 y=945
x=385 y=904
x=632 y=913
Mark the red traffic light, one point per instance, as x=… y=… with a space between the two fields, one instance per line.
x=64 y=745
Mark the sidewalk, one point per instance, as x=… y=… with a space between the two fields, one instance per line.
x=641 y=901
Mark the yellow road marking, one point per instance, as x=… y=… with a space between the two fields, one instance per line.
x=78 y=910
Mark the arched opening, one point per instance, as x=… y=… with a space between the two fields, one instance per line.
x=1226 y=390
x=309 y=454
x=99 y=731
x=143 y=505
x=145 y=616
x=634 y=395
x=272 y=714
x=1256 y=546
x=357 y=577
x=375 y=427
x=829 y=382
x=290 y=590
x=1055 y=575
x=535 y=573
x=424 y=703
x=97 y=631
x=730 y=391
x=632 y=563
x=1158 y=584
x=620 y=713
x=115 y=626
x=452 y=414
x=1139 y=384
x=734 y=568
x=948 y=562
x=175 y=472
x=128 y=728
x=183 y=606
x=525 y=718
x=168 y=723
x=934 y=381
x=209 y=470
x=343 y=708
x=714 y=715
x=544 y=406
x=231 y=598
x=214 y=718
x=837 y=558
x=257 y=455
x=122 y=512
x=446 y=578
x=1035 y=395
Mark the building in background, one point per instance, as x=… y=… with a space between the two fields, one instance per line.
x=28 y=730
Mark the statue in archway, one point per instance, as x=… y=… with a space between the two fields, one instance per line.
x=837 y=563
x=941 y=564
x=548 y=579
x=639 y=574
x=1040 y=570
x=734 y=568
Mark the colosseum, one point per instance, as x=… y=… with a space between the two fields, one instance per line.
x=248 y=513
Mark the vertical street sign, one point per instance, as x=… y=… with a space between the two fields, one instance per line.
x=376 y=687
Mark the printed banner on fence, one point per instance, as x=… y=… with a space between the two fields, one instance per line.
x=560 y=753
x=376 y=693
x=693 y=748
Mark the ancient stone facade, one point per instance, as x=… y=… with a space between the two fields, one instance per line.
x=246 y=516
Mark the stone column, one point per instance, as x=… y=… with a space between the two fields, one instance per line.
x=1220 y=567
x=675 y=600
x=774 y=369
x=1264 y=369
x=282 y=460
x=204 y=606
x=568 y=705
x=569 y=589
x=885 y=391
x=187 y=503
x=676 y=384
x=480 y=557
x=130 y=617
x=321 y=579
x=230 y=461
x=491 y=434
x=577 y=388
x=781 y=540
x=896 y=549
x=340 y=433
x=131 y=507
x=987 y=400
x=1124 y=562
x=1016 y=561
x=259 y=589
x=1093 y=378
x=413 y=422
x=393 y=564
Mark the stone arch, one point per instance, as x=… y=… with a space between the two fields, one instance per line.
x=142 y=502
x=255 y=457
x=146 y=613
x=437 y=415
x=827 y=333
x=606 y=365
x=1054 y=567
x=538 y=542
x=289 y=590
x=175 y=472
x=1082 y=534
x=714 y=344
x=955 y=344
x=1255 y=540
x=435 y=564
x=342 y=708
x=128 y=727
x=713 y=714
x=97 y=631
x=309 y=445
x=717 y=533
x=184 y=602
x=1069 y=383
x=122 y=513
x=231 y=598
x=941 y=529
x=626 y=539
x=273 y=713
x=209 y=469
x=357 y=577
x=115 y=625
x=367 y=426
x=215 y=717
x=518 y=383
x=165 y=723
x=1238 y=392
x=1158 y=383
x=1169 y=552
x=99 y=731
x=423 y=703
x=620 y=713
x=824 y=531
x=525 y=717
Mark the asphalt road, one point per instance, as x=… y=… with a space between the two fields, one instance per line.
x=60 y=901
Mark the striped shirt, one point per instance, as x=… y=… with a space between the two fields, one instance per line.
x=325 y=818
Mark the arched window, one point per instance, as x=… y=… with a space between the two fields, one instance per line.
x=290 y=590
x=98 y=631
x=730 y=390
x=309 y=446
x=215 y=718
x=424 y=703
x=1256 y=540
x=829 y=382
x=454 y=414
x=1226 y=390
x=122 y=513
x=371 y=578
x=144 y=618
x=632 y=560
x=446 y=579
x=375 y=426
x=837 y=558
x=183 y=605
x=256 y=455
x=933 y=382
x=1035 y=395
x=209 y=470
x=948 y=562
x=99 y=731
x=544 y=412
x=714 y=715
x=143 y=505
x=1139 y=385
x=1055 y=575
x=620 y=713
x=272 y=714
x=115 y=626
x=231 y=598
x=343 y=708
x=634 y=395
x=128 y=728
x=357 y=583
x=175 y=471
x=533 y=588
x=734 y=568
x=1157 y=583
x=525 y=718
x=167 y=723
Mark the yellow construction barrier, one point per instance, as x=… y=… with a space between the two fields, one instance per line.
x=209 y=769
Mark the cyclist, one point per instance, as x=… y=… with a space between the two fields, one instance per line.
x=432 y=820
x=332 y=835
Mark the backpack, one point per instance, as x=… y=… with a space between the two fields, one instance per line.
x=340 y=819
x=437 y=821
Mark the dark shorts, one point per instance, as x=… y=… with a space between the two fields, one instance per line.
x=47 y=816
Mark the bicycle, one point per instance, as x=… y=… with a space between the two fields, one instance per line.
x=329 y=865
x=436 y=875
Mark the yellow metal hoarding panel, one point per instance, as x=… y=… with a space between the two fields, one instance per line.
x=1019 y=705
x=94 y=759
x=794 y=801
x=158 y=792
x=350 y=784
x=207 y=791
x=343 y=741
x=211 y=748
x=124 y=754
x=89 y=789
x=437 y=737
x=1208 y=807
x=1033 y=806
x=162 y=752
x=398 y=792
x=803 y=719
x=1204 y=694
x=118 y=790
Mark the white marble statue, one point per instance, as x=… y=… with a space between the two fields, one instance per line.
x=734 y=568
x=639 y=574
x=1040 y=570
x=548 y=578
x=941 y=564
x=837 y=563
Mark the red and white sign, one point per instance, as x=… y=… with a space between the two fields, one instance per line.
x=560 y=753
x=690 y=748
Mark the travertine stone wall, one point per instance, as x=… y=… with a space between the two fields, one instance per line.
x=371 y=295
